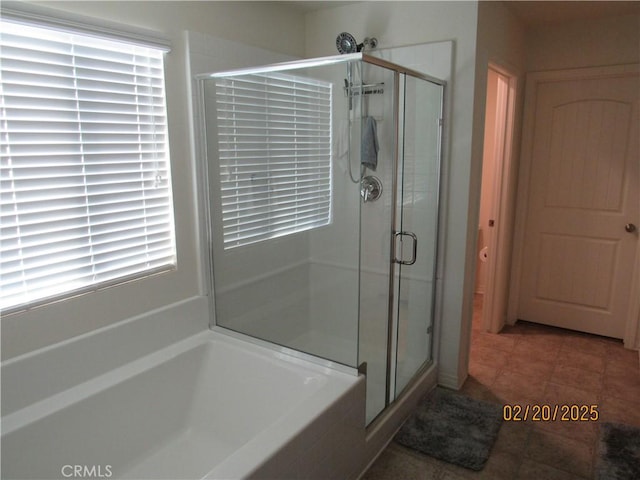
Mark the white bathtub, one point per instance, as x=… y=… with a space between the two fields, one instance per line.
x=209 y=406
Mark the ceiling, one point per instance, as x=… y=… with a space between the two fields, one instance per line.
x=530 y=12
x=305 y=6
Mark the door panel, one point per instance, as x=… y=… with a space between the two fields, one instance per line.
x=576 y=270
x=589 y=142
x=417 y=214
x=583 y=188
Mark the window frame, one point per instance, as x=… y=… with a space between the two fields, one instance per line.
x=33 y=16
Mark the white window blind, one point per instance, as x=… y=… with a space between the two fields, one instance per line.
x=274 y=142
x=85 y=181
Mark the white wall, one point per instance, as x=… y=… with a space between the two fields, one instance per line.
x=584 y=43
x=397 y=24
x=266 y=25
x=501 y=41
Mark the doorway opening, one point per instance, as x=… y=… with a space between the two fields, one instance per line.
x=496 y=202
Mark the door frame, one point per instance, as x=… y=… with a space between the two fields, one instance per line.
x=397 y=212
x=496 y=280
x=534 y=79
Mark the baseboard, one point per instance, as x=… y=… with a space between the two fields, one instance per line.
x=449 y=380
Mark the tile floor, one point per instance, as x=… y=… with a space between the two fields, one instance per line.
x=535 y=364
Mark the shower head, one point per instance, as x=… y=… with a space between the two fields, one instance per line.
x=346 y=43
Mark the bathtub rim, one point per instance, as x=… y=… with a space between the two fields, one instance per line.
x=26 y=378
x=51 y=404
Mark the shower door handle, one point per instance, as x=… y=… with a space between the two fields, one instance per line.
x=415 y=247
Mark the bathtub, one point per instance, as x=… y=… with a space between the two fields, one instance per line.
x=210 y=406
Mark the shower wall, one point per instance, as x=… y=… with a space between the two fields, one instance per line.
x=299 y=290
x=334 y=249
x=368 y=267
x=261 y=286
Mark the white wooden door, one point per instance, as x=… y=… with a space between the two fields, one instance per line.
x=577 y=257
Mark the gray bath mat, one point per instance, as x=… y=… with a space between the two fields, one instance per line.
x=618 y=452
x=453 y=428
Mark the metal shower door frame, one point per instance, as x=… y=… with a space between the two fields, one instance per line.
x=395 y=264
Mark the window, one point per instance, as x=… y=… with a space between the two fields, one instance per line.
x=85 y=179
x=274 y=142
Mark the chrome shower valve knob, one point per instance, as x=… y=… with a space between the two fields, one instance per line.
x=370 y=188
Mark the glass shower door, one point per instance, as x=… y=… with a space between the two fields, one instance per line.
x=399 y=236
x=416 y=231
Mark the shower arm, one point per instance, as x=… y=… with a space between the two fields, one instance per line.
x=369 y=42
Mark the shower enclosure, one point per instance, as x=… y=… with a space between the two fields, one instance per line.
x=323 y=179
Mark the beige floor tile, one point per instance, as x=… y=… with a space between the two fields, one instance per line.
x=560 y=452
x=537 y=348
x=624 y=385
x=517 y=385
x=447 y=475
x=559 y=394
x=578 y=378
x=476 y=389
x=591 y=344
x=618 y=354
x=494 y=341
x=585 y=432
x=617 y=410
x=484 y=374
x=620 y=367
x=398 y=465
x=578 y=359
x=515 y=332
x=500 y=466
x=510 y=396
x=530 y=470
x=488 y=356
x=536 y=369
x=512 y=438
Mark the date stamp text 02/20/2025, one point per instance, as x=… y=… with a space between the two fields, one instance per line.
x=550 y=413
